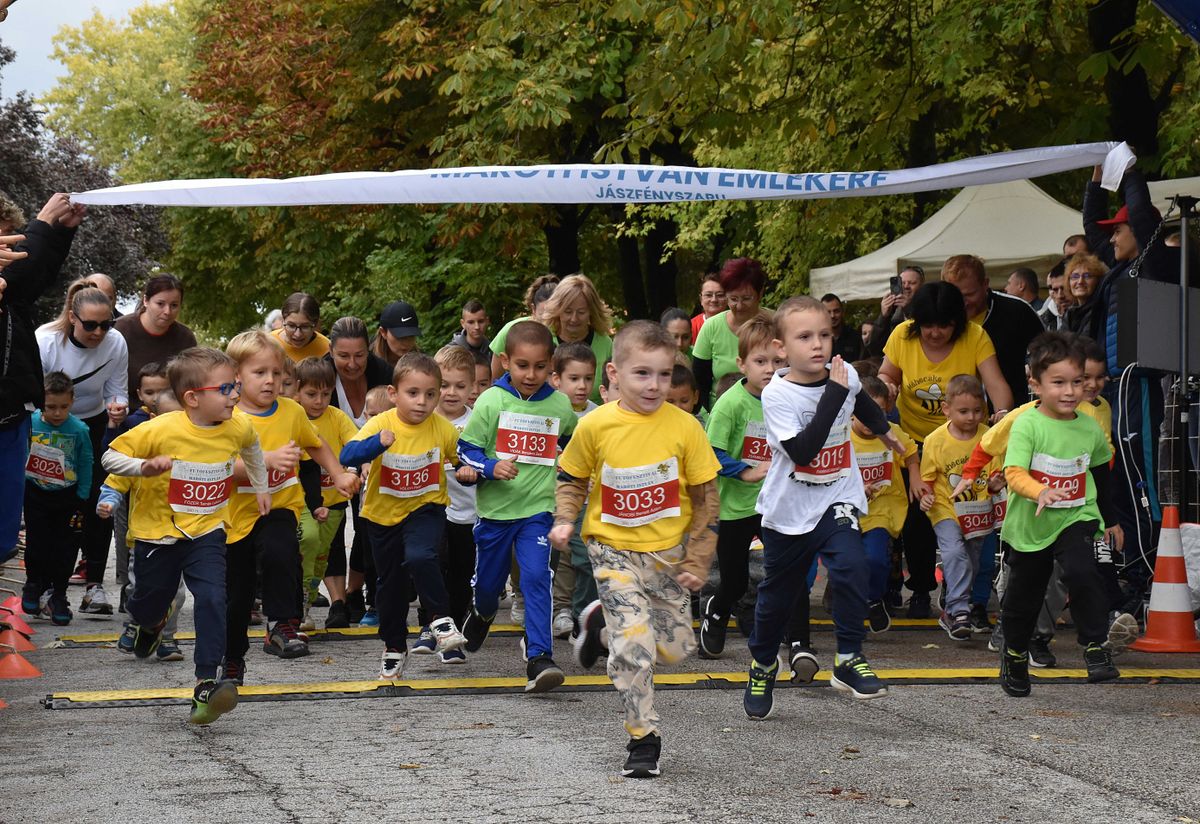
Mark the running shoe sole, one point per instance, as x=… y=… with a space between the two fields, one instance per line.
x=545 y=681
x=804 y=667
x=842 y=686
x=1122 y=633
x=221 y=700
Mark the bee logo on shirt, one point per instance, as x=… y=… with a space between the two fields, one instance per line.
x=429 y=455
x=931 y=398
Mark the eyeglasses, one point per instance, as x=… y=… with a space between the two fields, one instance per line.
x=294 y=328
x=742 y=300
x=93 y=325
x=1082 y=276
x=712 y=295
x=226 y=389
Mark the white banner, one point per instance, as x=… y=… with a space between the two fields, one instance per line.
x=615 y=183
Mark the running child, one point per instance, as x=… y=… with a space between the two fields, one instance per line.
x=887 y=504
x=811 y=500
x=739 y=440
x=184 y=463
x=1056 y=466
x=58 y=478
x=651 y=473
x=962 y=521
x=512 y=440
x=404 y=506
x=283 y=430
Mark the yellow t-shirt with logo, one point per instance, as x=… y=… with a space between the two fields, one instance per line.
x=411 y=473
x=318 y=347
x=942 y=461
x=995 y=440
x=923 y=383
x=880 y=465
x=337 y=429
x=285 y=422
x=191 y=499
x=1099 y=411
x=640 y=467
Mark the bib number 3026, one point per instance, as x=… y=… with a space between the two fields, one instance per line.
x=638 y=495
x=47 y=464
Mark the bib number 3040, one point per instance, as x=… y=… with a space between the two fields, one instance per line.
x=637 y=495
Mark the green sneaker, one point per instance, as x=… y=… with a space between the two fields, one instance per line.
x=211 y=700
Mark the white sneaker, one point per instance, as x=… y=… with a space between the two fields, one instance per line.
x=306 y=623
x=518 y=609
x=1122 y=631
x=564 y=624
x=392 y=665
x=446 y=634
x=95 y=601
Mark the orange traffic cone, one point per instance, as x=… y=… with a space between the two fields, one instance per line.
x=15 y=621
x=14 y=666
x=12 y=602
x=1169 y=623
x=11 y=637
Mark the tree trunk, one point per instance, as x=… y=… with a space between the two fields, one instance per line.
x=1133 y=115
x=661 y=275
x=629 y=267
x=562 y=240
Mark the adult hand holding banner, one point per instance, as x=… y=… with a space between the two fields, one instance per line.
x=611 y=183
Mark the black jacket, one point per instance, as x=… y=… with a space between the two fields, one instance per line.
x=1011 y=323
x=28 y=279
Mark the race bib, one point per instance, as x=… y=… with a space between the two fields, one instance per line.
x=1069 y=475
x=410 y=476
x=199 y=488
x=999 y=508
x=754 y=444
x=832 y=462
x=47 y=464
x=326 y=479
x=531 y=439
x=637 y=495
x=277 y=479
x=974 y=518
x=876 y=468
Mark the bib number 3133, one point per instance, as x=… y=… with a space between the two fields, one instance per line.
x=637 y=495
x=531 y=439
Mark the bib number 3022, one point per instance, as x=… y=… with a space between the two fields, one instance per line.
x=199 y=488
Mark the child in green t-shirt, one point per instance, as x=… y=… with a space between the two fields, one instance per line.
x=1057 y=472
x=513 y=438
x=739 y=439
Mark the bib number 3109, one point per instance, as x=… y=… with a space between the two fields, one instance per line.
x=1068 y=475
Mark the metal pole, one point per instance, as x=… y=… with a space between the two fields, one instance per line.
x=1186 y=205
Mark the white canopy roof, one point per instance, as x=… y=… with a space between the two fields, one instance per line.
x=1007 y=224
x=1161 y=191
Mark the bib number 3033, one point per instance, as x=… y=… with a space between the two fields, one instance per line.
x=637 y=495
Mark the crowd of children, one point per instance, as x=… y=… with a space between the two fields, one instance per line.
x=235 y=475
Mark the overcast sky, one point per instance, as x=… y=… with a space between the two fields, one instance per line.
x=30 y=26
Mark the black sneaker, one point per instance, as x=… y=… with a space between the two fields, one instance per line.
x=919 y=605
x=1014 y=673
x=759 y=698
x=1099 y=664
x=958 y=627
x=804 y=664
x=356 y=606
x=475 y=630
x=211 y=700
x=980 y=623
x=338 y=616
x=744 y=617
x=234 y=670
x=878 y=617
x=145 y=640
x=128 y=636
x=1040 y=655
x=643 y=757
x=588 y=644
x=320 y=601
x=856 y=677
x=124 y=599
x=543 y=674
x=712 y=632
x=60 y=610
x=283 y=641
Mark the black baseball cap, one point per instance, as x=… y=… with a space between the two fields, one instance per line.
x=400 y=319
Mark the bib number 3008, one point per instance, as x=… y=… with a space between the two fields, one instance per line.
x=637 y=495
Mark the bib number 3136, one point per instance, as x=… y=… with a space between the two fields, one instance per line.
x=531 y=439
x=637 y=495
x=409 y=476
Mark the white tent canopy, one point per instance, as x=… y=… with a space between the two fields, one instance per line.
x=1007 y=224
x=1161 y=191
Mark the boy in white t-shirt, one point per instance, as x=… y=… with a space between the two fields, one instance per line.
x=811 y=501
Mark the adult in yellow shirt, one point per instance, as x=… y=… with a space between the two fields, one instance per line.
x=300 y=336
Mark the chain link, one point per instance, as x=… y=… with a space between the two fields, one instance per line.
x=1136 y=266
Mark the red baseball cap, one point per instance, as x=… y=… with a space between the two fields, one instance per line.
x=1122 y=216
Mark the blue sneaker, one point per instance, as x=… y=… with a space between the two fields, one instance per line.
x=759 y=699
x=168 y=650
x=856 y=677
x=426 y=644
x=452 y=656
x=125 y=642
x=370 y=618
x=60 y=611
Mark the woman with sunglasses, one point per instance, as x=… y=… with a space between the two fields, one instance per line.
x=300 y=333
x=79 y=344
x=152 y=332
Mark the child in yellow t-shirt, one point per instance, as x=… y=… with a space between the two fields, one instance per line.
x=960 y=522
x=887 y=502
x=404 y=506
x=185 y=465
x=284 y=430
x=653 y=482
x=321 y=518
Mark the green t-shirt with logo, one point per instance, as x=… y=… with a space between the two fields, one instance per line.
x=736 y=426
x=1061 y=454
x=528 y=431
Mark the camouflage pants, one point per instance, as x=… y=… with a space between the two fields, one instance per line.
x=648 y=617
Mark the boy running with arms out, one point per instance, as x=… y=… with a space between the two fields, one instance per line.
x=652 y=475
x=811 y=500
x=1056 y=466
x=185 y=463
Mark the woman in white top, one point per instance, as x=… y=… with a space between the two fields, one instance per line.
x=81 y=344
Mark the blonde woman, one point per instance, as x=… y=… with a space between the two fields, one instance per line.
x=576 y=314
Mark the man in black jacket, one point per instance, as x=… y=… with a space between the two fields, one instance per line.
x=47 y=241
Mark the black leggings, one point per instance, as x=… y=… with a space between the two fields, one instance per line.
x=275 y=538
x=920 y=547
x=49 y=541
x=97 y=531
x=733 y=558
x=360 y=554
